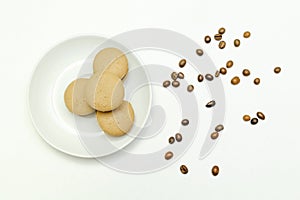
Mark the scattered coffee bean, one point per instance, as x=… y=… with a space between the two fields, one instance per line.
x=185 y=122
x=166 y=84
x=246 y=118
x=176 y=84
x=182 y=63
x=277 y=70
x=211 y=104
x=246 y=72
x=178 y=137
x=256 y=81
x=207 y=39
x=229 y=64
x=217 y=74
x=180 y=75
x=218 y=37
x=222 y=44
x=214 y=135
x=190 y=88
x=219 y=128
x=221 y=30
x=260 y=115
x=215 y=170
x=169 y=155
x=237 y=42
x=171 y=140
x=184 y=169
x=209 y=77
x=200 y=78
x=254 y=121
x=235 y=80
x=199 y=52
x=174 y=76
x=247 y=34
x=223 y=70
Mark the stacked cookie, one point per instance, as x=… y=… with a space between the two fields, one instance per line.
x=103 y=92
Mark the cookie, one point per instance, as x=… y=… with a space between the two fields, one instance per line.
x=111 y=60
x=117 y=122
x=104 y=91
x=75 y=98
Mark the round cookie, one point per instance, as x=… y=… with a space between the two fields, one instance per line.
x=111 y=60
x=75 y=98
x=117 y=122
x=104 y=91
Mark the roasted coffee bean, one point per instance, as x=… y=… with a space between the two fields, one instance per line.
x=176 y=84
x=217 y=74
x=254 y=121
x=180 y=75
x=260 y=115
x=246 y=118
x=223 y=70
x=171 y=140
x=215 y=170
x=185 y=122
x=169 y=155
x=256 y=81
x=219 y=128
x=182 y=63
x=166 y=83
x=211 y=104
x=209 y=77
x=246 y=72
x=184 y=169
x=247 y=34
x=218 y=37
x=174 y=76
x=199 y=52
x=235 y=80
x=221 y=30
x=200 y=77
x=178 y=137
x=207 y=39
x=229 y=64
x=237 y=42
x=277 y=70
x=190 y=88
x=214 y=135
x=222 y=44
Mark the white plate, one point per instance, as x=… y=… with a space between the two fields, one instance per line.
x=71 y=134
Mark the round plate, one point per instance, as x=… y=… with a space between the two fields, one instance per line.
x=80 y=135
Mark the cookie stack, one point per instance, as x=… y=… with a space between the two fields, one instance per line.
x=103 y=92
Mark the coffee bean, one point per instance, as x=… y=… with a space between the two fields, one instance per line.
x=254 y=121
x=184 y=169
x=185 y=122
x=214 y=135
x=171 y=140
x=215 y=170
x=222 y=44
x=166 y=83
x=176 y=84
x=277 y=70
x=221 y=30
x=235 y=80
x=169 y=155
x=247 y=34
x=246 y=72
x=209 y=77
x=190 y=88
x=211 y=104
x=229 y=64
x=237 y=42
x=219 y=128
x=180 y=75
x=178 y=137
x=174 y=75
x=207 y=39
x=200 y=78
x=199 y=52
x=260 y=115
x=182 y=63
x=246 y=118
x=256 y=81
x=217 y=74
x=218 y=37
x=223 y=70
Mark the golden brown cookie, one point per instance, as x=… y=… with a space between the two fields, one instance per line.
x=104 y=91
x=117 y=122
x=111 y=60
x=75 y=98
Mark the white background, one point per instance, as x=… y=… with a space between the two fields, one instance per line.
x=256 y=162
